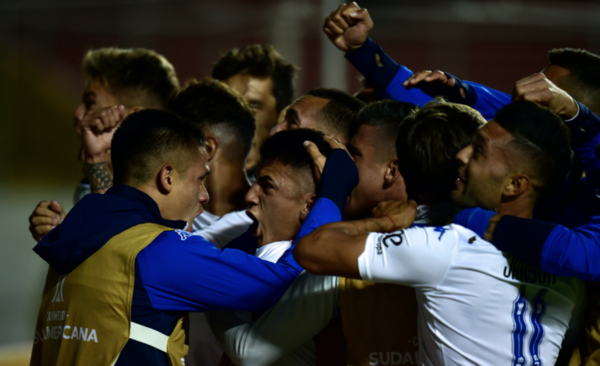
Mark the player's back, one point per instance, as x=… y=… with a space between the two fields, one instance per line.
x=476 y=304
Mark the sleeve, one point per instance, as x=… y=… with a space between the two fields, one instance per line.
x=227 y=228
x=418 y=256
x=306 y=308
x=388 y=76
x=585 y=133
x=481 y=98
x=551 y=247
x=183 y=272
x=488 y=100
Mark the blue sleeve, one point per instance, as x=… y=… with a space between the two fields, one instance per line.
x=574 y=252
x=385 y=73
x=339 y=178
x=323 y=212
x=476 y=219
x=585 y=134
x=488 y=100
x=551 y=247
x=481 y=98
x=187 y=273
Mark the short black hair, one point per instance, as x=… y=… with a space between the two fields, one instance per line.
x=260 y=61
x=137 y=76
x=287 y=147
x=149 y=138
x=544 y=141
x=427 y=144
x=386 y=117
x=341 y=110
x=214 y=104
x=583 y=65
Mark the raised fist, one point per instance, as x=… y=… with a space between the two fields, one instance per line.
x=348 y=27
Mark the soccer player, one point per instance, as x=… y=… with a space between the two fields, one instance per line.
x=328 y=110
x=118 y=81
x=266 y=80
x=378 y=320
x=475 y=305
x=227 y=121
x=122 y=272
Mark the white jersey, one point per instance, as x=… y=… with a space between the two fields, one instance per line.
x=476 y=305
x=224 y=229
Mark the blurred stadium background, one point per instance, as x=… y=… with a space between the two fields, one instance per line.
x=42 y=42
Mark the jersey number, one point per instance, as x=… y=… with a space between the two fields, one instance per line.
x=520 y=327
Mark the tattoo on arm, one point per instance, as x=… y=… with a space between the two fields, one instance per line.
x=99 y=175
x=489 y=231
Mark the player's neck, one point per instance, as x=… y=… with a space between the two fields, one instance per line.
x=522 y=207
x=227 y=187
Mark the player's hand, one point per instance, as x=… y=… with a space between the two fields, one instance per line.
x=431 y=78
x=348 y=27
x=44 y=218
x=97 y=129
x=319 y=159
x=400 y=214
x=537 y=88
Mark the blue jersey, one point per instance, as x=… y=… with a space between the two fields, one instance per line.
x=176 y=272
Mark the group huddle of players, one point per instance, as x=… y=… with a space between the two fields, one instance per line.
x=425 y=220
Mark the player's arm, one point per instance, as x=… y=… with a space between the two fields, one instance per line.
x=551 y=247
x=187 y=273
x=442 y=84
x=96 y=131
x=348 y=29
x=583 y=123
x=334 y=248
x=45 y=217
x=307 y=307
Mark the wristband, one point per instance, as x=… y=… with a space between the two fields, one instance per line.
x=388 y=216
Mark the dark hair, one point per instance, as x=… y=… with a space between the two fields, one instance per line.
x=386 y=117
x=260 y=61
x=427 y=144
x=544 y=140
x=137 y=76
x=287 y=147
x=147 y=139
x=368 y=92
x=214 y=104
x=584 y=67
x=341 y=110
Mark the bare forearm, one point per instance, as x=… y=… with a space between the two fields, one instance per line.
x=99 y=176
x=365 y=226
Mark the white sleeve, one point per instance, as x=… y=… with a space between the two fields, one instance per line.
x=227 y=228
x=418 y=256
x=307 y=306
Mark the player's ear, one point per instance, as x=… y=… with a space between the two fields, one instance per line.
x=391 y=173
x=310 y=200
x=212 y=146
x=165 y=179
x=516 y=185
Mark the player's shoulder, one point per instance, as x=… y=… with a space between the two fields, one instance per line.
x=180 y=236
x=445 y=233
